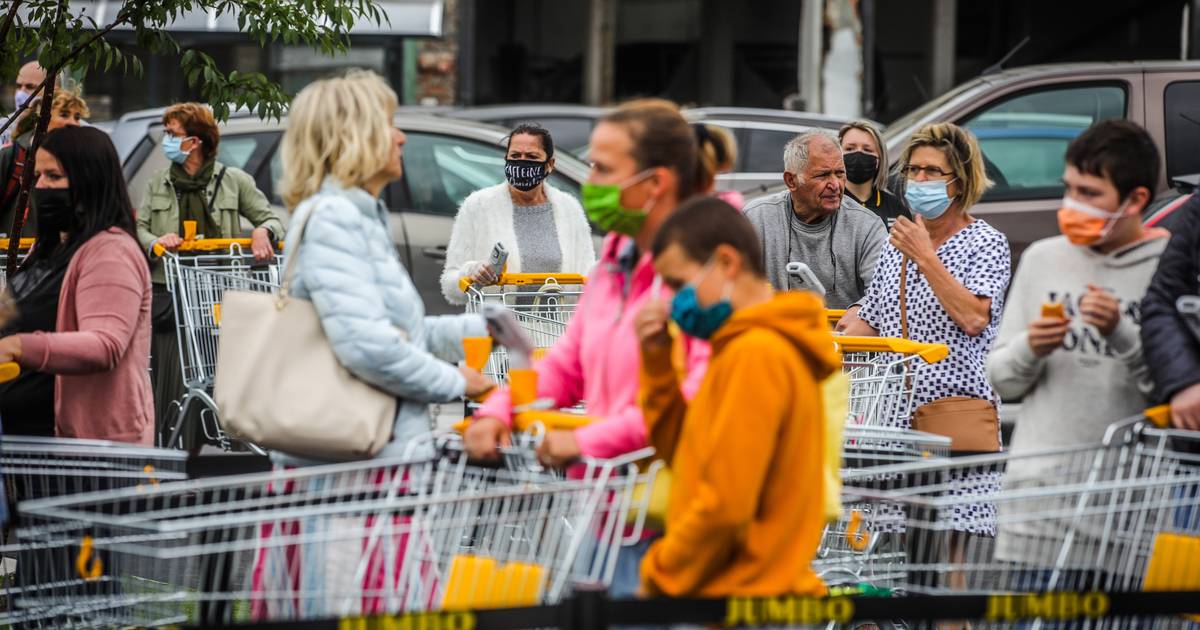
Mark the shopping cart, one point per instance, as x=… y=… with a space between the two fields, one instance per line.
x=22 y=251
x=1120 y=515
x=45 y=467
x=883 y=375
x=198 y=277
x=542 y=302
x=342 y=540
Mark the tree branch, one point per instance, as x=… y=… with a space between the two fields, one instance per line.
x=9 y=19
x=50 y=74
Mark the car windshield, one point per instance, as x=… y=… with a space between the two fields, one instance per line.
x=904 y=122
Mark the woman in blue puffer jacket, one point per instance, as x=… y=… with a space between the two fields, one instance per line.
x=340 y=150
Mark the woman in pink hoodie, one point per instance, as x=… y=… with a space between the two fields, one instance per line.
x=98 y=344
x=644 y=164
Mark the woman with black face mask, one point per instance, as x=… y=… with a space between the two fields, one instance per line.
x=543 y=229
x=82 y=333
x=865 y=156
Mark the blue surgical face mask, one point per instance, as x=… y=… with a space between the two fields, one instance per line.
x=172 y=148
x=928 y=199
x=699 y=321
x=20 y=97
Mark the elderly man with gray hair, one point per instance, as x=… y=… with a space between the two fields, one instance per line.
x=815 y=223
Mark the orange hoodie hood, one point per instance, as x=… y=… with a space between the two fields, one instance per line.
x=799 y=317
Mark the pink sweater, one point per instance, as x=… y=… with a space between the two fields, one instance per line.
x=101 y=352
x=598 y=359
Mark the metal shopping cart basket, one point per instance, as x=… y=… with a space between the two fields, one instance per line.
x=883 y=375
x=542 y=302
x=1120 y=515
x=198 y=278
x=36 y=568
x=341 y=540
x=22 y=251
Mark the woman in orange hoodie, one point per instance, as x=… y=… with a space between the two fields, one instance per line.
x=745 y=516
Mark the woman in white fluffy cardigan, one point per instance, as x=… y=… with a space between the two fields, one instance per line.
x=543 y=229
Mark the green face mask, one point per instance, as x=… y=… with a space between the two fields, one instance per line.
x=602 y=203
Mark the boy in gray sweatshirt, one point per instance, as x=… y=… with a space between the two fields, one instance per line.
x=1080 y=371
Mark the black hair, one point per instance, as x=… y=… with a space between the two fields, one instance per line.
x=703 y=223
x=533 y=129
x=1119 y=151
x=97 y=185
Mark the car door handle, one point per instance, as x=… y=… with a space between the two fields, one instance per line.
x=436 y=253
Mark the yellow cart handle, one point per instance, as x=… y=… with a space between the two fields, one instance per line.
x=551 y=420
x=9 y=371
x=834 y=315
x=24 y=244
x=530 y=279
x=1159 y=416
x=210 y=245
x=928 y=352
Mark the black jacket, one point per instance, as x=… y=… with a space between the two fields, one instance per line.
x=1171 y=349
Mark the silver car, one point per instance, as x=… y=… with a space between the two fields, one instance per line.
x=444 y=161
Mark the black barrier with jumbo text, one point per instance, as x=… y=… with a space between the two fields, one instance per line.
x=592 y=610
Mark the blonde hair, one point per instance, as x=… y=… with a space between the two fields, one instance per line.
x=881 y=178
x=717 y=152
x=65 y=100
x=962 y=152
x=340 y=127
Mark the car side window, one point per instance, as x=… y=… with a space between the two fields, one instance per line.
x=1024 y=138
x=1181 y=116
x=764 y=152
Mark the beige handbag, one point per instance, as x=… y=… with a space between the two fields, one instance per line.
x=972 y=424
x=279 y=385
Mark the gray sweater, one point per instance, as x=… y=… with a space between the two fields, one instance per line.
x=1070 y=396
x=841 y=250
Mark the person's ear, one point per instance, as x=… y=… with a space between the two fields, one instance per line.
x=1138 y=199
x=789 y=180
x=727 y=260
x=662 y=179
x=549 y=166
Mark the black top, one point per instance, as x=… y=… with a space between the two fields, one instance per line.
x=1172 y=351
x=27 y=402
x=885 y=205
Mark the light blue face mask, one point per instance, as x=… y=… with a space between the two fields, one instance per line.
x=172 y=148
x=928 y=199
x=694 y=319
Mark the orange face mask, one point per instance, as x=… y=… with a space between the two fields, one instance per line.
x=1086 y=225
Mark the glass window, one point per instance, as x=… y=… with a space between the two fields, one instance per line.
x=1181 y=116
x=441 y=171
x=764 y=152
x=236 y=150
x=1024 y=138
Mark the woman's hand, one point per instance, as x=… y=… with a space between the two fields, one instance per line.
x=482 y=438
x=260 y=244
x=170 y=242
x=479 y=273
x=477 y=384
x=558 y=448
x=912 y=239
x=650 y=324
x=10 y=349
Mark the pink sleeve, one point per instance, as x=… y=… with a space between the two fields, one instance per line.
x=626 y=431
x=108 y=301
x=560 y=372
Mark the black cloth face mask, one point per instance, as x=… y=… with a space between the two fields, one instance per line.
x=55 y=212
x=860 y=167
x=524 y=175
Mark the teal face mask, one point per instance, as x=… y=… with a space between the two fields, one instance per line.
x=694 y=319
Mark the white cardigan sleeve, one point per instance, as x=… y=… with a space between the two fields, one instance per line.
x=463 y=242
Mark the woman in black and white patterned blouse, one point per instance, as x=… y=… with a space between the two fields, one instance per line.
x=958 y=272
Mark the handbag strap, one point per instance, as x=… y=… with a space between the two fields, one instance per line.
x=289 y=266
x=904 y=297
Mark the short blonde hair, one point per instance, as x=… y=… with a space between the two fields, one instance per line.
x=881 y=178
x=341 y=127
x=65 y=100
x=962 y=152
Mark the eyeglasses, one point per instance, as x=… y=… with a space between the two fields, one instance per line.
x=931 y=172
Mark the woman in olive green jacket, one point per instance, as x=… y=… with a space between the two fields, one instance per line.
x=196 y=187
